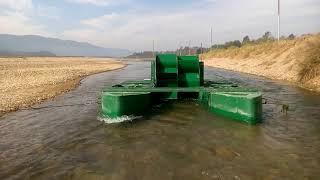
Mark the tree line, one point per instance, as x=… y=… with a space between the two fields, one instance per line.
x=266 y=37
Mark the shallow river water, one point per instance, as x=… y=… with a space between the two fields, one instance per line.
x=63 y=138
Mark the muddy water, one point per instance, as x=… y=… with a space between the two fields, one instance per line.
x=62 y=138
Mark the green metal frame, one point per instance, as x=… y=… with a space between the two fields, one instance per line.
x=174 y=77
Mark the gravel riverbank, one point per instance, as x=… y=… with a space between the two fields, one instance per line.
x=30 y=80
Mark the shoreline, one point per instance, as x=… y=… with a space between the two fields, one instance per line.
x=63 y=78
x=293 y=60
x=231 y=65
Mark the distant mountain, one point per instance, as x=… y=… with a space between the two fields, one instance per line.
x=19 y=53
x=58 y=47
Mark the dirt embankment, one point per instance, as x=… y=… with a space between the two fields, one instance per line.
x=295 y=60
x=27 y=81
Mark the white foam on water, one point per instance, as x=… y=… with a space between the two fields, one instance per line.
x=121 y=119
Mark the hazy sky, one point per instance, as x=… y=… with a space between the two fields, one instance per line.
x=133 y=24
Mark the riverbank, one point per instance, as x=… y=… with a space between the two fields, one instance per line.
x=63 y=138
x=297 y=60
x=27 y=81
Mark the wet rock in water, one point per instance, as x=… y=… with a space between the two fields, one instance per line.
x=236 y=178
x=224 y=152
x=294 y=156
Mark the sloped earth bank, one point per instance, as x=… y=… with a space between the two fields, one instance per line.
x=296 y=61
x=27 y=81
x=62 y=138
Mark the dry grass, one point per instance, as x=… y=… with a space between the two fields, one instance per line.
x=311 y=65
x=295 y=60
x=26 y=81
x=260 y=50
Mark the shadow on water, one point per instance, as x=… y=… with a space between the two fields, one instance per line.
x=62 y=138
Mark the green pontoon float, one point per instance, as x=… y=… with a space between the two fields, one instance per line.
x=176 y=77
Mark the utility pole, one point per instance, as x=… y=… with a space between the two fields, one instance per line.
x=211 y=38
x=189 y=47
x=278 y=20
x=179 y=49
x=153 y=48
x=201 y=51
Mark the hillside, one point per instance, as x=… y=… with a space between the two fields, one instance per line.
x=296 y=60
x=31 y=44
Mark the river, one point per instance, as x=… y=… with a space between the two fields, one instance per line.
x=64 y=139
